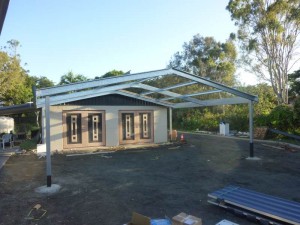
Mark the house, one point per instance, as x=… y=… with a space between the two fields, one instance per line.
x=122 y=110
x=108 y=120
x=127 y=109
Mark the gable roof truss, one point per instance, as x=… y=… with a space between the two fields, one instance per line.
x=127 y=84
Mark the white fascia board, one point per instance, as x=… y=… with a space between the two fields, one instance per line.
x=194 y=94
x=213 y=102
x=100 y=82
x=215 y=85
x=58 y=99
x=169 y=93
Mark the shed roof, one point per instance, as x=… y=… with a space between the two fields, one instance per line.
x=166 y=87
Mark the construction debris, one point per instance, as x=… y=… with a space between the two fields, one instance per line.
x=36 y=213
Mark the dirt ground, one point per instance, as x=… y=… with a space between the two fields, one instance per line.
x=156 y=182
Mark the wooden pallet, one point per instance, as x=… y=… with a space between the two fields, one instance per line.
x=256 y=206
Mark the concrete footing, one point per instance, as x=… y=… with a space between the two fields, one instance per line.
x=48 y=190
x=253 y=158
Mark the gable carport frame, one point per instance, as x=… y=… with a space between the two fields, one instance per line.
x=124 y=85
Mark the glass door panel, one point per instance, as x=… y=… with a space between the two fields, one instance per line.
x=145 y=125
x=74 y=129
x=83 y=129
x=127 y=126
x=94 y=127
x=135 y=127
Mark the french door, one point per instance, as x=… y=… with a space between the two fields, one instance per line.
x=83 y=129
x=136 y=127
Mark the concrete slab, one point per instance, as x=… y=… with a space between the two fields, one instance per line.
x=3 y=160
x=5 y=154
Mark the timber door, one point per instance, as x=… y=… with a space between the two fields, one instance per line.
x=135 y=127
x=83 y=129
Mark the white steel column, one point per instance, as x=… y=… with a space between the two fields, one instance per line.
x=251 y=128
x=170 y=123
x=48 y=150
x=43 y=124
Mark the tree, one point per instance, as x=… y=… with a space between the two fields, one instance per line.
x=268 y=31
x=294 y=81
x=205 y=57
x=41 y=82
x=70 y=77
x=113 y=73
x=13 y=80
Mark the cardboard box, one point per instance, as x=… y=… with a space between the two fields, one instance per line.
x=138 y=219
x=184 y=219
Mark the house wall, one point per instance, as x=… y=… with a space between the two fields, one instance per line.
x=111 y=123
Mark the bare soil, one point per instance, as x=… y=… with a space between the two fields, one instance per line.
x=157 y=182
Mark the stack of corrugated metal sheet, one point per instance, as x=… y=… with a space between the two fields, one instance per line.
x=257 y=206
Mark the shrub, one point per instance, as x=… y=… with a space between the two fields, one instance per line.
x=28 y=144
x=281 y=118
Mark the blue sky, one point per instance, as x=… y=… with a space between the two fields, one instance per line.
x=92 y=37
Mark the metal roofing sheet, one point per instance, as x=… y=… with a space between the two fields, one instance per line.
x=271 y=206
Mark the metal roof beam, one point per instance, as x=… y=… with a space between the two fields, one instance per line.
x=215 y=85
x=100 y=82
x=213 y=102
x=148 y=99
x=194 y=94
x=58 y=99
x=171 y=87
x=169 y=93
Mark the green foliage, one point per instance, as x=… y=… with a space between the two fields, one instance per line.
x=205 y=57
x=297 y=113
x=236 y=115
x=113 y=73
x=268 y=31
x=267 y=98
x=281 y=118
x=28 y=145
x=40 y=82
x=70 y=77
x=294 y=81
x=15 y=88
x=192 y=119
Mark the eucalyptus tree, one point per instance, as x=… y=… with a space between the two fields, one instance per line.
x=268 y=31
x=206 y=57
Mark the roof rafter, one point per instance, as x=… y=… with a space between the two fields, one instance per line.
x=100 y=82
x=213 y=102
x=170 y=87
x=105 y=86
x=194 y=94
x=216 y=85
x=170 y=93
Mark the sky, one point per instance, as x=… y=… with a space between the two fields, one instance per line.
x=93 y=37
